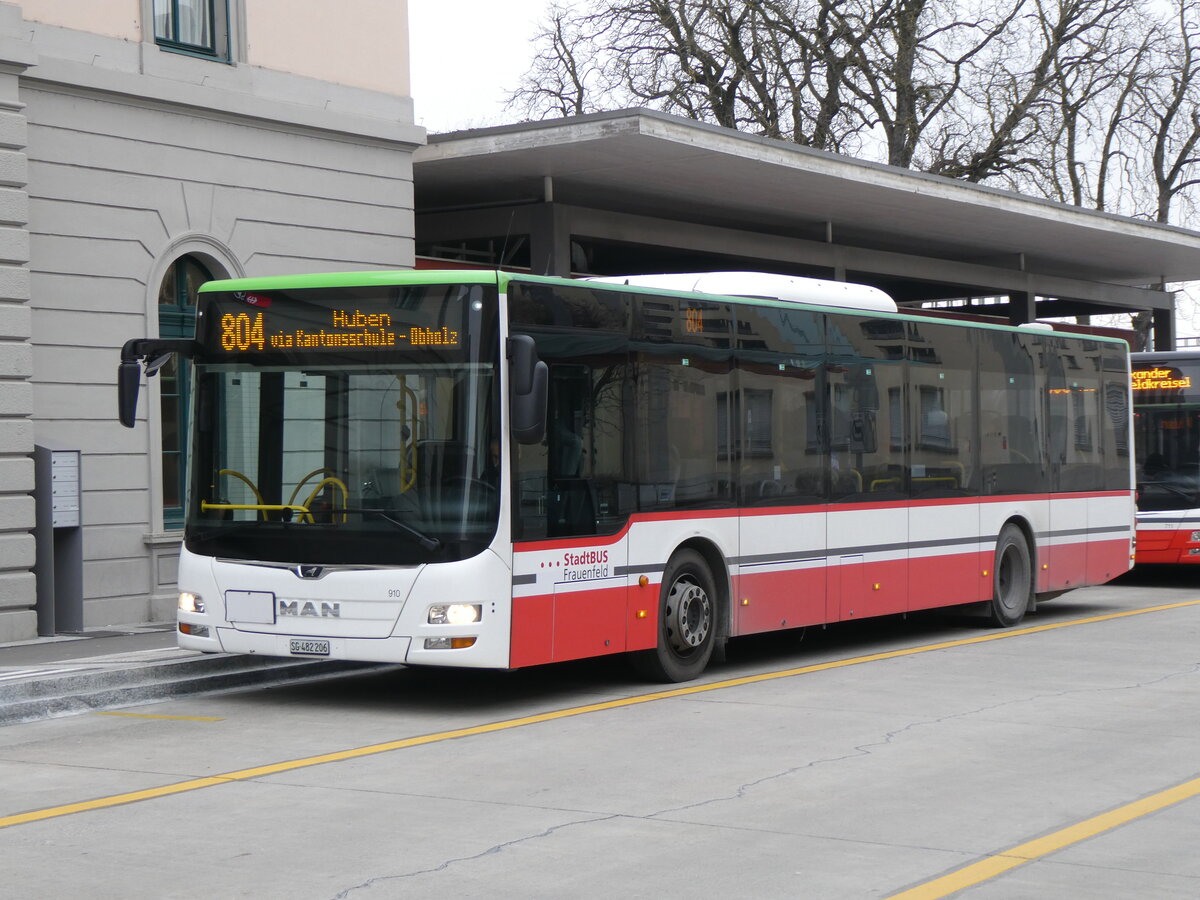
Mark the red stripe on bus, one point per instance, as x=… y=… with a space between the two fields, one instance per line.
x=581 y=623
x=603 y=540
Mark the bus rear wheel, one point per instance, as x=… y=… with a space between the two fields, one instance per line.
x=687 y=621
x=1012 y=578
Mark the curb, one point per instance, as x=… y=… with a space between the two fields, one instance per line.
x=101 y=685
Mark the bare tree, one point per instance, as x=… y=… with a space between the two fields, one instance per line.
x=913 y=67
x=563 y=77
x=1169 y=110
x=1083 y=101
x=1078 y=147
x=1015 y=94
x=779 y=68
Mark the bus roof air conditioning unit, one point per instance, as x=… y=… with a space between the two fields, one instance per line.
x=767 y=286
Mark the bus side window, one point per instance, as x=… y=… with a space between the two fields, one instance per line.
x=570 y=507
x=571 y=484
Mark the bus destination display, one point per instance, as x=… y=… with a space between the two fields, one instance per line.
x=261 y=329
x=1160 y=379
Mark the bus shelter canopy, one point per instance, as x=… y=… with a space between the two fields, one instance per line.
x=637 y=191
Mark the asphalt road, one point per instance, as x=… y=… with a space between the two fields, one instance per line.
x=924 y=755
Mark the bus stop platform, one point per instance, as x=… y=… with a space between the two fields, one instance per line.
x=100 y=669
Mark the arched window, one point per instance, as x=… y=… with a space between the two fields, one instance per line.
x=176 y=319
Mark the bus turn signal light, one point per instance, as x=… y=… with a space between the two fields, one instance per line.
x=449 y=643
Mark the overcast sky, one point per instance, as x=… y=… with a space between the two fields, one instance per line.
x=466 y=56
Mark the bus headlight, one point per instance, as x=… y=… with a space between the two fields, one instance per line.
x=192 y=603
x=455 y=614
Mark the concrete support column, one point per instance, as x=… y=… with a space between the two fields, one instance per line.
x=18 y=618
x=550 y=240
x=1164 y=329
x=1021 y=308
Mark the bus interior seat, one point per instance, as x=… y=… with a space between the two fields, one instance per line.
x=769 y=490
x=847 y=481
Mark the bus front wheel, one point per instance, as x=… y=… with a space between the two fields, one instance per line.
x=687 y=621
x=1012 y=578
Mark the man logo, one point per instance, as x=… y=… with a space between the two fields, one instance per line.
x=308 y=571
x=308 y=608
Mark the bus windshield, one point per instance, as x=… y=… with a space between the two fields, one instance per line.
x=1166 y=394
x=346 y=426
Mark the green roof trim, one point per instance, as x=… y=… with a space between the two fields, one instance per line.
x=373 y=278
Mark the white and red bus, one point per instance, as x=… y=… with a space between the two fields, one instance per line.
x=1166 y=411
x=494 y=470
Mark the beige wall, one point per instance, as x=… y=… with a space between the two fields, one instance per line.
x=262 y=172
x=365 y=45
x=112 y=18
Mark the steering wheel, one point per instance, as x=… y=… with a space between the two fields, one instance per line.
x=470 y=482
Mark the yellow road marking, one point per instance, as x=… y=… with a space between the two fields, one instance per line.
x=973 y=874
x=129 y=715
x=506 y=724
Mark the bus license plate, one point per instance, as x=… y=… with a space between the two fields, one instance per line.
x=308 y=647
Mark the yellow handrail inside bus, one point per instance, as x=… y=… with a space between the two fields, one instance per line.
x=250 y=484
x=304 y=481
x=205 y=506
x=948 y=480
x=304 y=512
x=335 y=482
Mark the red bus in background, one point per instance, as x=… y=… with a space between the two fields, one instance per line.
x=1166 y=406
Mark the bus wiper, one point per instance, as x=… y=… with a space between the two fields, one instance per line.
x=427 y=543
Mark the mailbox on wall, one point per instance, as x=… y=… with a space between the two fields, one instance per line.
x=59 y=566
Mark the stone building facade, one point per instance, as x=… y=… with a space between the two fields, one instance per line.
x=146 y=146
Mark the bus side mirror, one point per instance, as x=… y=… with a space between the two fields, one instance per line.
x=529 y=380
x=157 y=353
x=129 y=377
